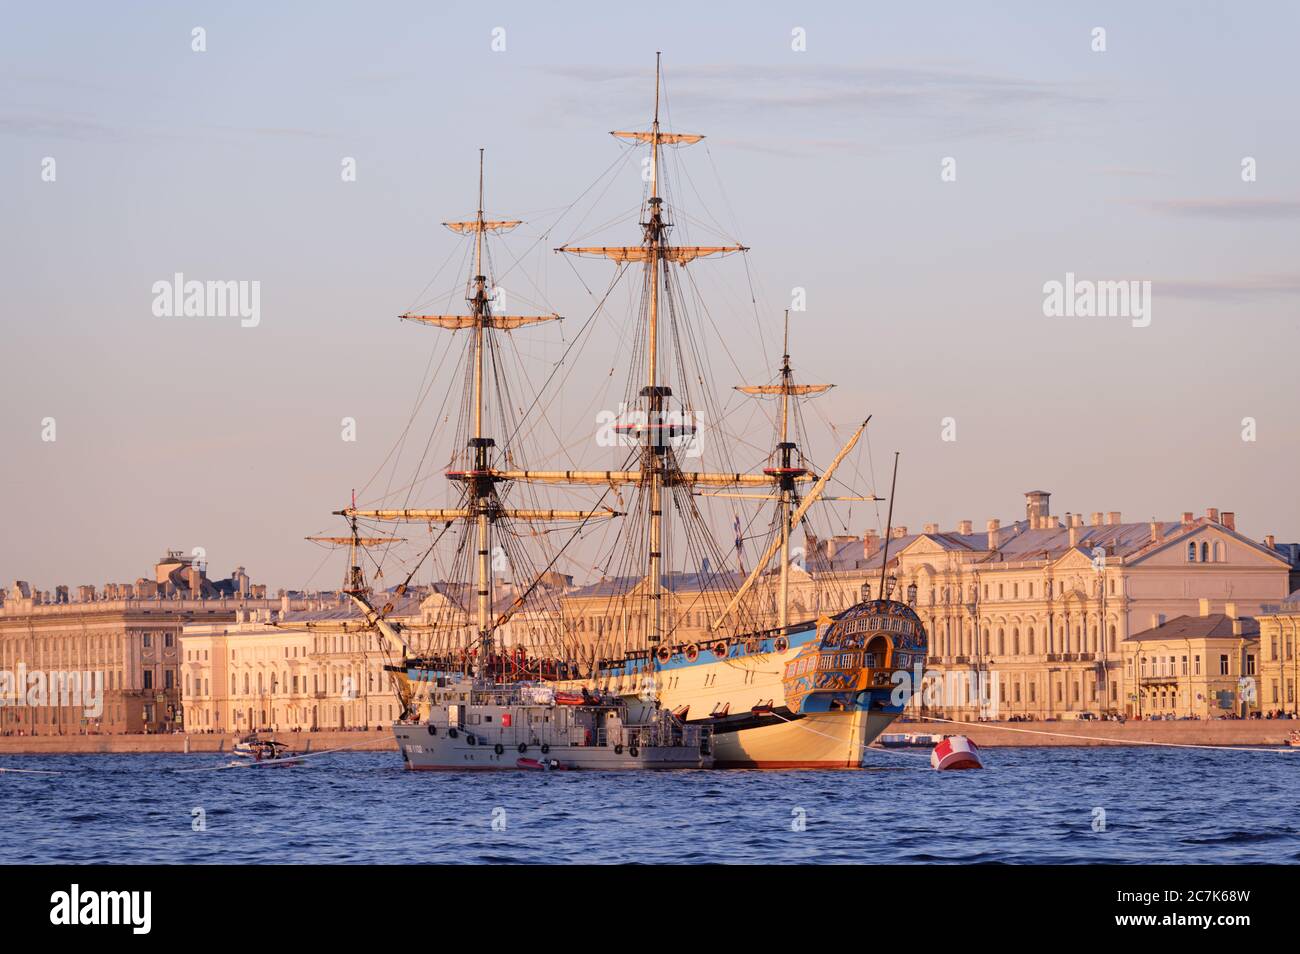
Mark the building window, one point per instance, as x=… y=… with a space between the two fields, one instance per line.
x=148 y=678
x=1191 y=552
x=1196 y=665
x=146 y=641
x=169 y=679
x=1184 y=665
x=1223 y=665
x=1250 y=664
x=1205 y=552
x=169 y=640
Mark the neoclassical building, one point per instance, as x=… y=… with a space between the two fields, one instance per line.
x=125 y=636
x=1279 y=657
x=268 y=670
x=1035 y=614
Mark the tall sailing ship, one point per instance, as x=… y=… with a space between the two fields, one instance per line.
x=760 y=689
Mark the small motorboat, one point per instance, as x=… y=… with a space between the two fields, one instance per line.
x=905 y=740
x=542 y=765
x=955 y=752
x=1293 y=739
x=266 y=753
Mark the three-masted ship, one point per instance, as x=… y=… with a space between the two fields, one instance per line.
x=756 y=691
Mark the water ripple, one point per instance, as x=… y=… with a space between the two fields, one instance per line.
x=1029 y=806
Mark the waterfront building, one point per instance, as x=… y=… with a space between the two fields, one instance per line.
x=267 y=670
x=1032 y=616
x=128 y=632
x=285 y=671
x=1198 y=667
x=1279 y=658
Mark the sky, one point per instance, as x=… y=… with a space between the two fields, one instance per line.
x=924 y=292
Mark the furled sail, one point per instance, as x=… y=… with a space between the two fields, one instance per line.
x=504 y=322
x=468 y=228
x=681 y=254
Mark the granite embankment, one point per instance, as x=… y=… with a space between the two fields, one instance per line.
x=1190 y=732
x=96 y=744
x=990 y=734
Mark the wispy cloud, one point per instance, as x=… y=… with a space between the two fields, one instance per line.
x=32 y=125
x=1238 y=209
x=1243 y=288
x=950 y=102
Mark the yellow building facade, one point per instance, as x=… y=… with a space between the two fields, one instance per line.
x=1279 y=658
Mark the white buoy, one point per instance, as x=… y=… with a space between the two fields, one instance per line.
x=955 y=752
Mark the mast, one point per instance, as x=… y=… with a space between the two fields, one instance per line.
x=787 y=472
x=480 y=490
x=783 y=601
x=482 y=505
x=653 y=453
x=657 y=467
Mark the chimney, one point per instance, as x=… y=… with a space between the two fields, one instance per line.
x=196 y=582
x=931 y=528
x=1238 y=626
x=1205 y=606
x=1187 y=517
x=899 y=533
x=284 y=605
x=1230 y=611
x=1114 y=518
x=870 y=543
x=1212 y=514
x=1096 y=518
x=1037 y=506
x=1074 y=535
x=965 y=527
x=1156 y=535
x=1229 y=520
x=993 y=526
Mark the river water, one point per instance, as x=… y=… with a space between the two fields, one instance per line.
x=1029 y=805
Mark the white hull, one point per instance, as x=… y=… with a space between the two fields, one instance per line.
x=823 y=740
x=439 y=753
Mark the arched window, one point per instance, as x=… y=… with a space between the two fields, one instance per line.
x=1205 y=552
x=1191 y=552
x=877 y=654
x=1216 y=551
x=1002 y=642
x=1015 y=644
x=1029 y=636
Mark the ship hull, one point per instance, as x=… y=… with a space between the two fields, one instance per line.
x=423 y=752
x=824 y=740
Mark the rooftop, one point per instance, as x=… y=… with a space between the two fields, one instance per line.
x=1213 y=626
